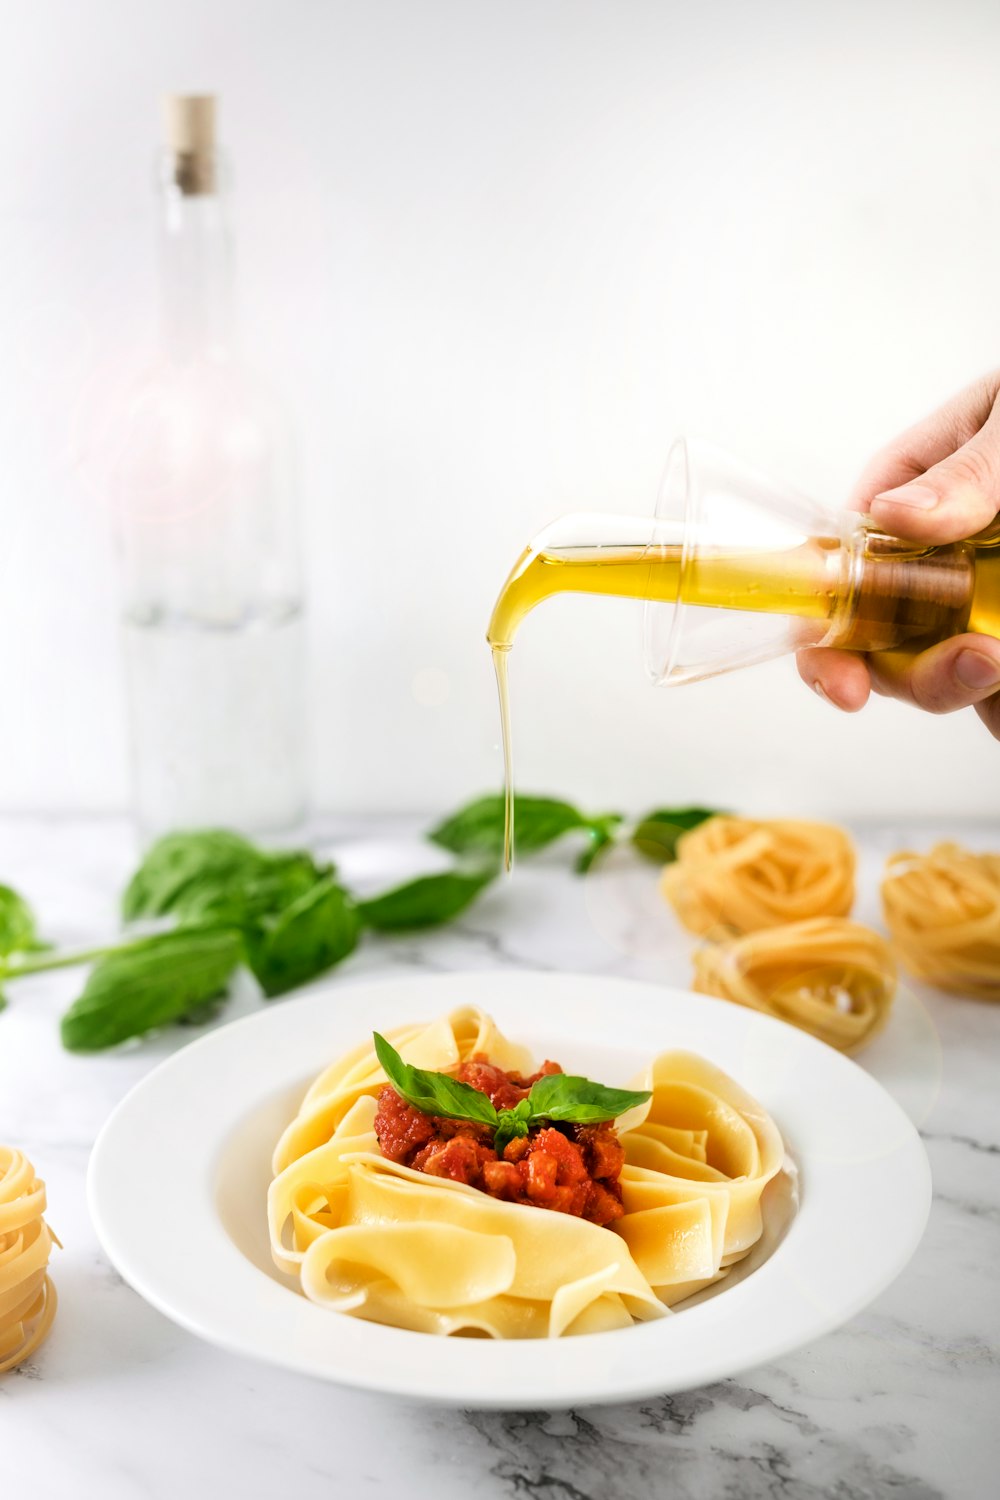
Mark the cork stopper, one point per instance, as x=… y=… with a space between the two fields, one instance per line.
x=189 y=131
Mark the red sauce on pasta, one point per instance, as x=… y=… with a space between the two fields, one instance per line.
x=573 y=1169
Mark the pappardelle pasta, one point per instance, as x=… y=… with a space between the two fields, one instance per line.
x=376 y=1238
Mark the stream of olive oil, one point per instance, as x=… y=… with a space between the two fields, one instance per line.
x=501 y=658
x=889 y=594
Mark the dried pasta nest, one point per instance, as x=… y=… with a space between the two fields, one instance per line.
x=832 y=978
x=943 y=910
x=738 y=875
x=27 y=1296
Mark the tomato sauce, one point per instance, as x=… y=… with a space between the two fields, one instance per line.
x=573 y=1169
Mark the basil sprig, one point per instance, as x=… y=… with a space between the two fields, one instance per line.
x=557 y=1096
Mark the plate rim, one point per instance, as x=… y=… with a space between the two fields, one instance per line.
x=635 y=1386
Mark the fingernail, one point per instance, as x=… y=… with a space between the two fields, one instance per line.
x=919 y=496
x=821 y=692
x=976 y=670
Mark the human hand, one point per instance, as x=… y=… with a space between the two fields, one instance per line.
x=937 y=482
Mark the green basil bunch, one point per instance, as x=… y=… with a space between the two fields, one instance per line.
x=283 y=915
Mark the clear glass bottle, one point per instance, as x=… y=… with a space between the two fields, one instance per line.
x=205 y=507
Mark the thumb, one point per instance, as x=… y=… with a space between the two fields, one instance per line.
x=954 y=499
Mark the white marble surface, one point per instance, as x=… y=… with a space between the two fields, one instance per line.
x=119 y=1403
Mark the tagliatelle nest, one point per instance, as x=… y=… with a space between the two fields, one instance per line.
x=832 y=978
x=27 y=1296
x=943 y=910
x=737 y=875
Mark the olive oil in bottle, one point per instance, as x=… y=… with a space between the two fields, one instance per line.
x=855 y=587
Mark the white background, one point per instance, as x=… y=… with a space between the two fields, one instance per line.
x=495 y=254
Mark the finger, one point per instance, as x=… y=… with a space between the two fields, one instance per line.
x=954 y=674
x=927 y=442
x=954 y=498
x=841 y=677
x=989 y=711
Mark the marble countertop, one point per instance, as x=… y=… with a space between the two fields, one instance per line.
x=120 y=1403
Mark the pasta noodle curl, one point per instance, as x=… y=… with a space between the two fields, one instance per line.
x=27 y=1296
x=736 y=875
x=943 y=910
x=833 y=978
x=369 y=1237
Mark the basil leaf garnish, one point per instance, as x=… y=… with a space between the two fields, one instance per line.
x=513 y=1125
x=433 y=1093
x=557 y=1096
x=562 y=1096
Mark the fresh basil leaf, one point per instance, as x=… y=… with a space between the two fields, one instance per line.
x=425 y=902
x=251 y=897
x=178 y=861
x=433 y=1093
x=477 y=828
x=17 y=923
x=656 y=834
x=150 y=983
x=512 y=1125
x=561 y=1096
x=314 y=932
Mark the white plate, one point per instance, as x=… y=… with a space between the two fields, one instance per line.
x=179 y=1174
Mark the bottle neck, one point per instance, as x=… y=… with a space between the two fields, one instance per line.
x=196 y=273
x=894 y=591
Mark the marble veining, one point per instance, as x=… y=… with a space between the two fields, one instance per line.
x=901 y=1402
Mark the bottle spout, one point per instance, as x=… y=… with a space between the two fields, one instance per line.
x=732 y=568
x=583 y=553
x=600 y=533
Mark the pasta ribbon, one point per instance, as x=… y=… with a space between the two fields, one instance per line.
x=374 y=1239
x=737 y=875
x=438 y=1047
x=27 y=1296
x=943 y=910
x=833 y=978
